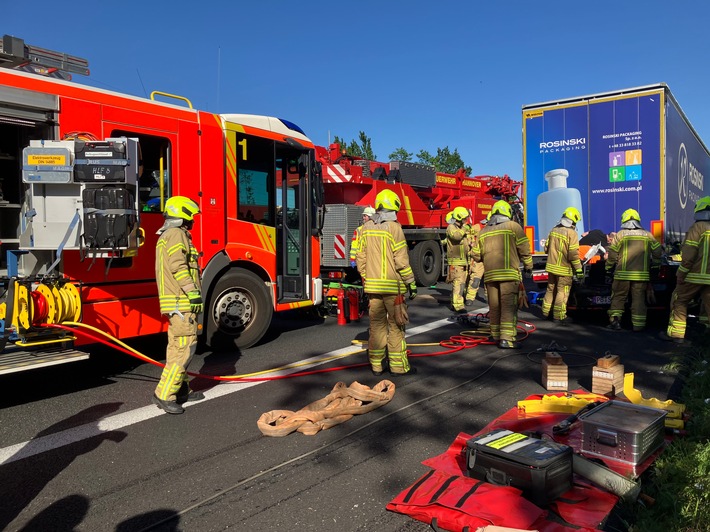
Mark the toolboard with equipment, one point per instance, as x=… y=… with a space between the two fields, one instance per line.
x=82 y=196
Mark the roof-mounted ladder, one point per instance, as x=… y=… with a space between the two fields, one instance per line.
x=14 y=53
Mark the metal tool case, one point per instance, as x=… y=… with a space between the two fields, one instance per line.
x=622 y=431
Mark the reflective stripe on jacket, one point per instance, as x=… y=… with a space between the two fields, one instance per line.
x=562 y=248
x=383 y=258
x=473 y=238
x=176 y=270
x=457 y=247
x=632 y=251
x=695 y=254
x=501 y=248
x=355 y=243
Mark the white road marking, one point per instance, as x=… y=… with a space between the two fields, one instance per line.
x=112 y=423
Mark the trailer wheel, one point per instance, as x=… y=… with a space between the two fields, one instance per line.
x=239 y=312
x=425 y=260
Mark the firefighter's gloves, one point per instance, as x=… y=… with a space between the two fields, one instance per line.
x=527 y=273
x=580 y=275
x=196 y=303
x=353 y=264
x=412 y=290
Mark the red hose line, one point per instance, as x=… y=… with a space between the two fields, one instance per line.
x=455 y=343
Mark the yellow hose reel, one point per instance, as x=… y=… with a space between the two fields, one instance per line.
x=47 y=304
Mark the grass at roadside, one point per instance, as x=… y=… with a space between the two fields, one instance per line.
x=679 y=480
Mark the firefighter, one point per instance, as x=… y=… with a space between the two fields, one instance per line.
x=562 y=248
x=630 y=255
x=457 y=255
x=445 y=244
x=180 y=292
x=367 y=215
x=693 y=275
x=383 y=262
x=475 y=269
x=501 y=246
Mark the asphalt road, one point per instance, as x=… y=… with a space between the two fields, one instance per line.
x=82 y=448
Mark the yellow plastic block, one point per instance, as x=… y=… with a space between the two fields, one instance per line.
x=558 y=404
x=675 y=410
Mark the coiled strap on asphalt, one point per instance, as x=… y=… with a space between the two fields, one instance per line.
x=342 y=403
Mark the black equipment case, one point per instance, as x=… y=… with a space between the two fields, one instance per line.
x=100 y=161
x=541 y=469
x=109 y=217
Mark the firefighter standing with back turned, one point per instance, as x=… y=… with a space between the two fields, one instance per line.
x=501 y=246
x=457 y=254
x=367 y=215
x=383 y=263
x=179 y=288
x=693 y=275
x=630 y=255
x=475 y=269
x=562 y=248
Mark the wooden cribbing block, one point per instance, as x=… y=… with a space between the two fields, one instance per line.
x=554 y=376
x=608 y=361
x=608 y=381
x=553 y=358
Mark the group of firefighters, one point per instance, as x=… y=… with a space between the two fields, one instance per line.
x=491 y=252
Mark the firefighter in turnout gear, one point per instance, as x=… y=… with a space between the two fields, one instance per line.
x=383 y=263
x=180 y=291
x=367 y=215
x=693 y=275
x=475 y=269
x=502 y=246
x=631 y=252
x=562 y=248
x=457 y=254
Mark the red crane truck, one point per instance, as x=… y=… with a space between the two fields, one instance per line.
x=351 y=184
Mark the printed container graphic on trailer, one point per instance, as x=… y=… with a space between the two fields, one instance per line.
x=606 y=153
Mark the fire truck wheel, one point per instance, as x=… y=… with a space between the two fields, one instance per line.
x=240 y=311
x=425 y=260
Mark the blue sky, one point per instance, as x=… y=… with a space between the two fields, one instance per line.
x=416 y=74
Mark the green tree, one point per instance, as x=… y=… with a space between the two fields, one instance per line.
x=444 y=161
x=362 y=149
x=400 y=154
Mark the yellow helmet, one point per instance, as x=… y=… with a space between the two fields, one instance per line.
x=630 y=214
x=460 y=213
x=181 y=207
x=573 y=214
x=702 y=204
x=389 y=200
x=502 y=207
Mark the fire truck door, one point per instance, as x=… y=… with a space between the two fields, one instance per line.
x=292 y=227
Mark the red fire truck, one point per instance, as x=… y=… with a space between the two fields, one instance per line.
x=351 y=184
x=84 y=174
